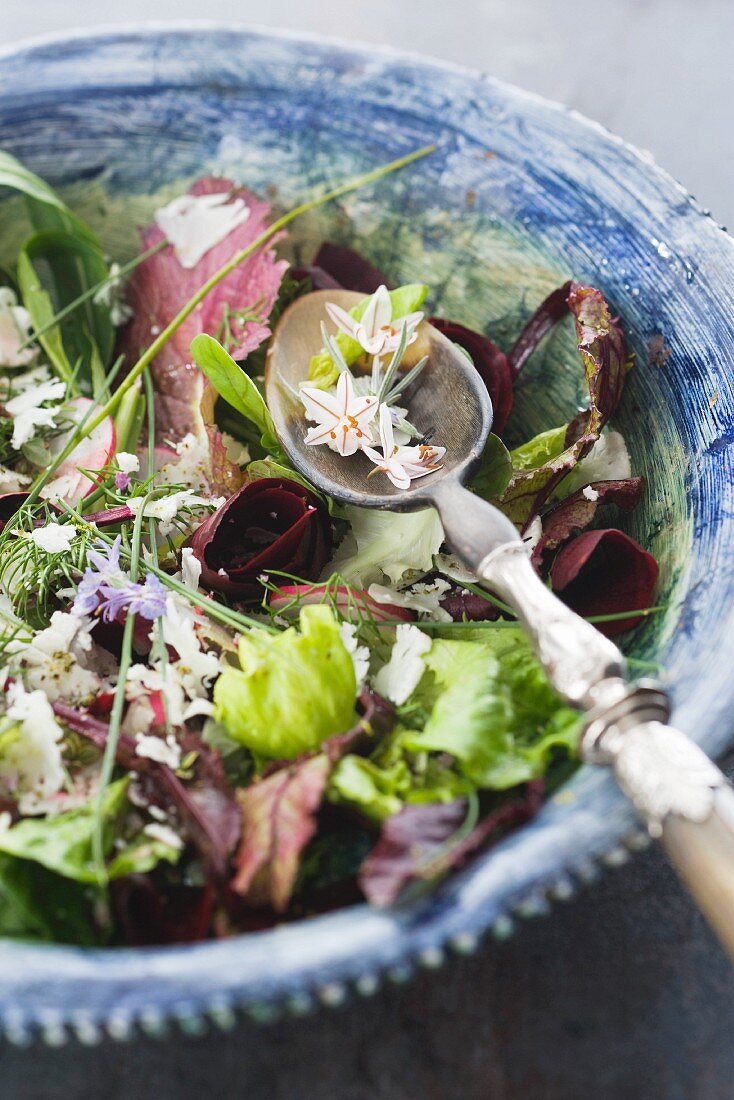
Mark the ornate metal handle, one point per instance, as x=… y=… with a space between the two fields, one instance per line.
x=574 y=654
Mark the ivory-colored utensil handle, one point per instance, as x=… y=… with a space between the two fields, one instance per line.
x=702 y=853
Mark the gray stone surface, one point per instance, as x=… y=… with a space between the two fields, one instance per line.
x=621 y=994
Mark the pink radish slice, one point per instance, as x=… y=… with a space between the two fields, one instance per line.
x=352 y=603
x=162 y=456
x=93 y=453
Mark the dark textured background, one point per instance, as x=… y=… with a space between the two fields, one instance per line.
x=619 y=995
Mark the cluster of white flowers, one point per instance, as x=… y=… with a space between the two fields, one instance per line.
x=182 y=683
x=167 y=509
x=57 y=660
x=112 y=295
x=345 y=418
x=191 y=460
x=31 y=767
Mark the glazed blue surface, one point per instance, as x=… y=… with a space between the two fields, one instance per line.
x=141 y=110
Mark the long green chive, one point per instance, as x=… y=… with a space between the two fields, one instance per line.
x=162 y=339
x=118 y=706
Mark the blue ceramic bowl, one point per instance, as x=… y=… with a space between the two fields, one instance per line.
x=519 y=195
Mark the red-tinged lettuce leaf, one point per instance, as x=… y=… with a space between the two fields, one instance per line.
x=416 y=844
x=205 y=804
x=605 y=572
x=574 y=514
x=279 y=819
x=491 y=363
x=267 y=525
x=279 y=810
x=335 y=267
x=377 y=718
x=603 y=352
x=548 y=313
x=159 y=288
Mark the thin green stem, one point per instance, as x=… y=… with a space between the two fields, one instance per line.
x=162 y=339
x=118 y=706
x=90 y=292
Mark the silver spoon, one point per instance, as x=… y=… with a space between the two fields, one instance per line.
x=679 y=793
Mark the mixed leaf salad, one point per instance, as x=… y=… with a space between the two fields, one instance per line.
x=226 y=701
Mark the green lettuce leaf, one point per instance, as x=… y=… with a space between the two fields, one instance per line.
x=389 y=543
x=38 y=905
x=495 y=469
x=324 y=373
x=73 y=264
x=491 y=707
x=234 y=385
x=376 y=791
x=141 y=854
x=540 y=449
x=63 y=844
x=293 y=690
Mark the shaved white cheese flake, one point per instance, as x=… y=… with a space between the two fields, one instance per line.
x=360 y=654
x=194 y=224
x=398 y=679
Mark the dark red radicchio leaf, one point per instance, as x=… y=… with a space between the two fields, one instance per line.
x=158 y=289
x=279 y=819
x=10 y=503
x=150 y=913
x=548 y=313
x=269 y=524
x=603 y=350
x=415 y=846
x=462 y=604
x=336 y=267
x=605 y=572
x=491 y=363
x=571 y=516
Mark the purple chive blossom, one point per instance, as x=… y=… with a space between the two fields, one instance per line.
x=107 y=589
x=147 y=600
x=106 y=562
x=122 y=481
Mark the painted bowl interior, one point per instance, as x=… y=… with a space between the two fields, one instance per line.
x=520 y=195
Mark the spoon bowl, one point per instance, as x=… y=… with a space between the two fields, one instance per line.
x=449 y=405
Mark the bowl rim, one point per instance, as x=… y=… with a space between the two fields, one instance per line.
x=322 y=959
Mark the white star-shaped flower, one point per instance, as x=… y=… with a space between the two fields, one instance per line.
x=342 y=418
x=376 y=332
x=402 y=464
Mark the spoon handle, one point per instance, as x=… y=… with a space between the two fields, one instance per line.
x=678 y=792
x=574 y=654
